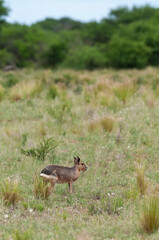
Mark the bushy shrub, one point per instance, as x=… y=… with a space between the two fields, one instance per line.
x=86 y=57
x=124 y=53
x=55 y=54
x=6 y=58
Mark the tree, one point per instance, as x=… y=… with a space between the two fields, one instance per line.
x=3 y=11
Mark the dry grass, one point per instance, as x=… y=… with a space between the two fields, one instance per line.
x=107 y=124
x=124 y=90
x=41 y=188
x=141 y=179
x=94 y=126
x=150 y=216
x=10 y=192
x=25 y=90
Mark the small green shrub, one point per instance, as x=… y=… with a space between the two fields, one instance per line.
x=53 y=92
x=44 y=148
x=33 y=205
x=10 y=80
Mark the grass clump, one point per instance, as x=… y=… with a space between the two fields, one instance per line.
x=20 y=235
x=150 y=216
x=141 y=179
x=94 y=126
x=41 y=188
x=61 y=111
x=10 y=192
x=2 y=91
x=44 y=148
x=107 y=124
x=10 y=80
x=123 y=91
x=24 y=90
x=53 y=92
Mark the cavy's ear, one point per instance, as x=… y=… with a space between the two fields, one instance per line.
x=78 y=159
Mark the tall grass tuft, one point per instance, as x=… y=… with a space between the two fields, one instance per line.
x=123 y=91
x=2 y=91
x=149 y=220
x=41 y=188
x=141 y=179
x=53 y=91
x=25 y=90
x=94 y=126
x=10 y=192
x=107 y=124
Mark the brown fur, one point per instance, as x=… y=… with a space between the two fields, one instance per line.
x=59 y=174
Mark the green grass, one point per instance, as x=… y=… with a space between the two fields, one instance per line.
x=105 y=203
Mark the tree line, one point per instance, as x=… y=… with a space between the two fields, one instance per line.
x=127 y=38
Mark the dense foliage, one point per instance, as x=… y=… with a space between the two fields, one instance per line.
x=127 y=38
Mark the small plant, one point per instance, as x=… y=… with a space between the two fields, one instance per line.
x=149 y=220
x=112 y=205
x=124 y=91
x=60 y=111
x=10 y=80
x=24 y=138
x=93 y=209
x=44 y=148
x=94 y=126
x=41 y=188
x=20 y=235
x=10 y=192
x=34 y=206
x=141 y=179
x=107 y=124
x=53 y=92
x=2 y=91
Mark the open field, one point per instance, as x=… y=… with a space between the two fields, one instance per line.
x=111 y=120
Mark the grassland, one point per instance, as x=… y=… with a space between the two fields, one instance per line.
x=111 y=120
